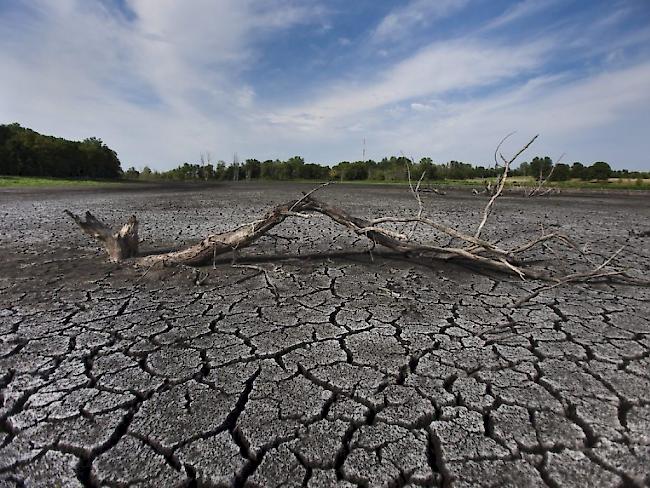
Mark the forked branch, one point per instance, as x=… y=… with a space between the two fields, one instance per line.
x=470 y=249
x=120 y=245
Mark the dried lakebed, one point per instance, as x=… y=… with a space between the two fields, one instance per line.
x=325 y=371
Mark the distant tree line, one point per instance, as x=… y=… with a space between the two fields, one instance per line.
x=24 y=152
x=388 y=169
x=293 y=169
x=600 y=170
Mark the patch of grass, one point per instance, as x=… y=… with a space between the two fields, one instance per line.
x=473 y=182
x=611 y=184
x=478 y=183
x=35 y=181
x=520 y=181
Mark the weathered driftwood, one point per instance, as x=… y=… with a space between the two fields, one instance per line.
x=205 y=251
x=470 y=249
x=120 y=245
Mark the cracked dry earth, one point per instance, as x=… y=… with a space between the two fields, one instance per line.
x=325 y=371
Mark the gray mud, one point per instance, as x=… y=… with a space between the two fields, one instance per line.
x=355 y=370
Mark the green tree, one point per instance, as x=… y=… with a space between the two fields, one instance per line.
x=252 y=169
x=541 y=167
x=220 y=170
x=24 y=152
x=578 y=170
x=295 y=167
x=132 y=174
x=600 y=171
x=524 y=169
x=562 y=172
x=427 y=167
x=459 y=171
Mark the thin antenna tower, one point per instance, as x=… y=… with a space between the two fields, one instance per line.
x=363 y=153
x=235 y=164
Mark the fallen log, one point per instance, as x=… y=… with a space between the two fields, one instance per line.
x=119 y=245
x=122 y=246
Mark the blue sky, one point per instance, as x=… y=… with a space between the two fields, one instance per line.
x=162 y=81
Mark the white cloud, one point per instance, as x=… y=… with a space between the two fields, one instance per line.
x=438 y=69
x=159 y=88
x=589 y=119
x=601 y=117
x=422 y=107
x=399 y=22
x=166 y=85
x=521 y=10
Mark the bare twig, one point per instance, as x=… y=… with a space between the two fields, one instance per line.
x=307 y=195
x=414 y=191
x=416 y=194
x=496 y=151
x=537 y=191
x=597 y=272
x=478 y=253
x=501 y=183
x=145 y=273
x=430 y=189
x=260 y=270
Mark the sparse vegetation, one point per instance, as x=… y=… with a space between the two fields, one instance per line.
x=34 y=181
x=24 y=152
x=393 y=170
x=28 y=158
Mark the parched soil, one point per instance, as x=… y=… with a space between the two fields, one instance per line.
x=335 y=366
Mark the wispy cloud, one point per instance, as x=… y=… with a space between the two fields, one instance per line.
x=520 y=10
x=591 y=110
x=416 y=13
x=437 y=69
x=153 y=86
x=162 y=81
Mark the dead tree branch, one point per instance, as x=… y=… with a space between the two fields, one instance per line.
x=120 y=245
x=597 y=272
x=540 y=189
x=477 y=252
x=501 y=182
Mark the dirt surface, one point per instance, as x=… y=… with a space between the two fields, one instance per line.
x=339 y=371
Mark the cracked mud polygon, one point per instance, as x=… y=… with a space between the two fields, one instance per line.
x=350 y=370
